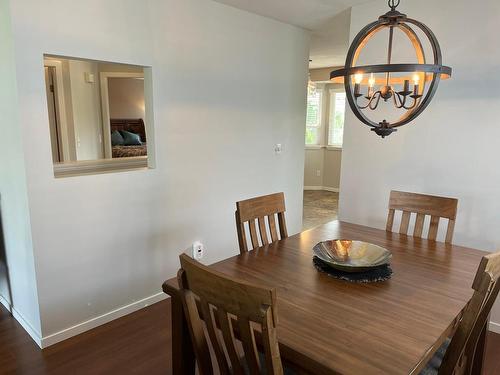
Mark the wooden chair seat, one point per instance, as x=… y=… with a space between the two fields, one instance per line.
x=254 y=212
x=422 y=205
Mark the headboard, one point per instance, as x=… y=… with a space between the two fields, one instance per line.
x=134 y=125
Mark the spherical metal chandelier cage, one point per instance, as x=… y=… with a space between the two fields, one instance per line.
x=412 y=100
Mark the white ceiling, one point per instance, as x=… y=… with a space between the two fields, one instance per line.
x=328 y=20
x=309 y=14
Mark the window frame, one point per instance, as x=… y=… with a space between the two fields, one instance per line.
x=107 y=164
x=321 y=124
x=331 y=111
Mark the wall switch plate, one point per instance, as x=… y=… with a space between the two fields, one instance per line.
x=318 y=173
x=89 y=77
x=277 y=148
x=198 y=250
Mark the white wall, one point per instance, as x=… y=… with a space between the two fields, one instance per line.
x=452 y=148
x=126 y=97
x=332 y=165
x=322 y=168
x=14 y=211
x=87 y=116
x=228 y=85
x=314 y=167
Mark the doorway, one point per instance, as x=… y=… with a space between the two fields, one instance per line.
x=324 y=130
x=123 y=111
x=54 y=119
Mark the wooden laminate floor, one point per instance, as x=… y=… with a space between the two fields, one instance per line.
x=139 y=343
x=320 y=207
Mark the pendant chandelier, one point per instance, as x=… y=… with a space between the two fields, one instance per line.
x=409 y=86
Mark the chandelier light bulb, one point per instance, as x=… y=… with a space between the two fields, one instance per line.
x=416 y=78
x=358 y=78
x=371 y=81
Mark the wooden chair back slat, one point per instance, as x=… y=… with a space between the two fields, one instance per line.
x=273 y=361
x=214 y=337
x=253 y=233
x=282 y=223
x=240 y=228
x=390 y=220
x=272 y=228
x=459 y=357
x=262 y=230
x=405 y=222
x=249 y=346
x=260 y=208
x=226 y=305
x=433 y=228
x=195 y=326
x=449 y=231
x=229 y=341
x=422 y=205
x=419 y=225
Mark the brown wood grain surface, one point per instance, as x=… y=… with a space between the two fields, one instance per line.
x=329 y=326
x=258 y=209
x=222 y=300
x=422 y=205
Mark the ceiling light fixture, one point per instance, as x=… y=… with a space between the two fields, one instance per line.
x=383 y=80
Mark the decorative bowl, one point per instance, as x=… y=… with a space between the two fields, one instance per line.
x=352 y=256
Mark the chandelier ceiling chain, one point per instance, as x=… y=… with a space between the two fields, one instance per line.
x=390 y=82
x=393 y=4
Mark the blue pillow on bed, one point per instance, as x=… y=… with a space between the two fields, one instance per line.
x=116 y=138
x=130 y=139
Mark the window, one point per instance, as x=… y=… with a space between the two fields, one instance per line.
x=336 y=118
x=98 y=115
x=313 y=118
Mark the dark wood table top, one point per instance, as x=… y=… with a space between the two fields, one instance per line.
x=332 y=326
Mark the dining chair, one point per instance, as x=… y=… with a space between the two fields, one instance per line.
x=257 y=209
x=457 y=355
x=231 y=309
x=422 y=205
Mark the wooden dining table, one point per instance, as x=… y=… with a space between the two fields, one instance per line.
x=330 y=326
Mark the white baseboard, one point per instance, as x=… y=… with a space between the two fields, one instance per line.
x=100 y=320
x=5 y=303
x=494 y=327
x=325 y=188
x=35 y=335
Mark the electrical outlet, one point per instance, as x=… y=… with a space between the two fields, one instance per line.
x=198 y=250
x=277 y=148
x=318 y=172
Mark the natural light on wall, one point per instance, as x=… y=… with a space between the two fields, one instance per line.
x=325 y=117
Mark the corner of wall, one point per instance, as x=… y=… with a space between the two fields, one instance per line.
x=14 y=209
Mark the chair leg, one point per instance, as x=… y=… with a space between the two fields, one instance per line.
x=183 y=358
